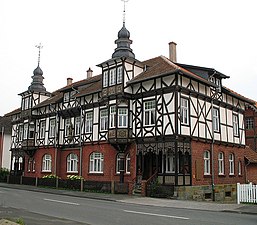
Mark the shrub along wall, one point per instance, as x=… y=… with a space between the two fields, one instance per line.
x=72 y=184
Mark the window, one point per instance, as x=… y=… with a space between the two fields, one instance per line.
x=119 y=75
x=103 y=120
x=89 y=122
x=231 y=164
x=216 y=119
x=235 y=125
x=170 y=164
x=47 y=163
x=207 y=163
x=26 y=103
x=112 y=77
x=249 y=123
x=105 y=79
x=31 y=165
x=31 y=131
x=221 y=163
x=123 y=117
x=112 y=116
x=42 y=129
x=239 y=168
x=184 y=111
x=52 y=128
x=20 y=133
x=77 y=125
x=128 y=163
x=118 y=161
x=66 y=97
x=149 y=113
x=72 y=163
x=25 y=131
x=68 y=127
x=96 y=162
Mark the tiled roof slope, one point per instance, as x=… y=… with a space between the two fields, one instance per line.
x=161 y=65
x=250 y=155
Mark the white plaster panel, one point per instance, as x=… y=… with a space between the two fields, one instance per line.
x=185 y=81
x=202 y=88
x=195 y=85
x=202 y=130
x=185 y=130
x=222 y=115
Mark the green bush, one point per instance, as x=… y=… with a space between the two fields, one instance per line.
x=51 y=176
x=3 y=174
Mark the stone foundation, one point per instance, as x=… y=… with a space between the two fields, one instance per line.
x=226 y=193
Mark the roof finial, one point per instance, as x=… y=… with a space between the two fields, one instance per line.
x=124 y=10
x=39 y=50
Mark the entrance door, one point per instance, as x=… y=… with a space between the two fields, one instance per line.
x=149 y=165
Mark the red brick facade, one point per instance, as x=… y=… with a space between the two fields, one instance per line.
x=251 y=134
x=198 y=177
x=109 y=168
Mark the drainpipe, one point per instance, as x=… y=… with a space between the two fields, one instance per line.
x=80 y=144
x=2 y=147
x=212 y=155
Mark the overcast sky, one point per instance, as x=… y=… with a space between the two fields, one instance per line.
x=78 y=34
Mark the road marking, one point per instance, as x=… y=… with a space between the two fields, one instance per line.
x=153 y=214
x=69 y=203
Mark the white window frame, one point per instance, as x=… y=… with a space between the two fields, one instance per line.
x=249 y=123
x=89 y=122
x=112 y=77
x=42 y=129
x=31 y=131
x=170 y=163
x=216 y=120
x=96 y=164
x=235 y=125
x=52 y=128
x=221 y=163
x=20 y=132
x=25 y=131
x=149 y=113
x=105 y=78
x=207 y=162
x=104 y=120
x=72 y=163
x=47 y=163
x=231 y=160
x=122 y=117
x=77 y=125
x=112 y=116
x=68 y=127
x=119 y=75
x=128 y=163
x=239 y=168
x=184 y=111
x=118 y=160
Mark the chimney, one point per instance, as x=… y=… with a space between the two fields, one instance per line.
x=69 y=81
x=172 y=51
x=89 y=73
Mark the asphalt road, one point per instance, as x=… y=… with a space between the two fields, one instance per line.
x=38 y=208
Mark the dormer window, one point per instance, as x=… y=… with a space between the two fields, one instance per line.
x=66 y=97
x=216 y=81
x=119 y=75
x=105 y=79
x=113 y=76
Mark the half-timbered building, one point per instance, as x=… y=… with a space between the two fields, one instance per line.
x=136 y=122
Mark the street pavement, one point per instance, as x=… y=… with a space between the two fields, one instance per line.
x=195 y=205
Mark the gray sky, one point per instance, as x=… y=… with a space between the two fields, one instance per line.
x=78 y=34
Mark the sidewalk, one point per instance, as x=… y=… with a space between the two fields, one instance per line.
x=210 y=206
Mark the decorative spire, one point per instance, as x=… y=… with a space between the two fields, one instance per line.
x=39 y=50
x=37 y=79
x=124 y=10
x=123 y=42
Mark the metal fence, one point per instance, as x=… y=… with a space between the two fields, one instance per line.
x=246 y=193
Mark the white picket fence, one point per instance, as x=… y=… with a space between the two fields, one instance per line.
x=246 y=193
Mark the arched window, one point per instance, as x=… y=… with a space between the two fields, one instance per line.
x=118 y=160
x=47 y=163
x=231 y=164
x=96 y=162
x=221 y=163
x=239 y=168
x=72 y=163
x=207 y=163
x=128 y=163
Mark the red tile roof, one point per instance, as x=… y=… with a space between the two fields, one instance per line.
x=250 y=155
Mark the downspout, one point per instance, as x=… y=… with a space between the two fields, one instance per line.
x=55 y=144
x=2 y=146
x=80 y=144
x=212 y=155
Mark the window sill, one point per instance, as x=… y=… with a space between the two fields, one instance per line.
x=207 y=175
x=221 y=175
x=45 y=171
x=232 y=175
x=72 y=172
x=95 y=174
